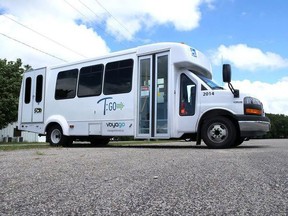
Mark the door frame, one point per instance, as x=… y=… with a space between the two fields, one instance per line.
x=151 y=95
x=33 y=112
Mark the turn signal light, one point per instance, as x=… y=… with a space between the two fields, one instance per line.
x=253 y=111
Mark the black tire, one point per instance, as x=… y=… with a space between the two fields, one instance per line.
x=100 y=142
x=239 y=141
x=55 y=137
x=218 y=132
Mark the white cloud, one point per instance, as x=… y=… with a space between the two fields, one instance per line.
x=273 y=96
x=52 y=20
x=210 y=4
x=126 y=21
x=75 y=24
x=248 y=58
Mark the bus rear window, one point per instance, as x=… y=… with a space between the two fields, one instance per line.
x=39 y=88
x=28 y=90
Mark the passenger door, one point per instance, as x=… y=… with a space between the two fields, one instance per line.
x=33 y=96
x=152 y=115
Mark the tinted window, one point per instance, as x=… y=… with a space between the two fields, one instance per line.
x=187 y=96
x=118 y=77
x=39 y=88
x=66 y=84
x=90 y=81
x=28 y=90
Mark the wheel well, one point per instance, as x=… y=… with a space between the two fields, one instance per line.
x=51 y=124
x=213 y=113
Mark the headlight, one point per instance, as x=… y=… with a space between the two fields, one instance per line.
x=252 y=106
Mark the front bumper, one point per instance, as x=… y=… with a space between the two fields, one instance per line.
x=252 y=126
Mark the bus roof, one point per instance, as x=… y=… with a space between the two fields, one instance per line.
x=182 y=55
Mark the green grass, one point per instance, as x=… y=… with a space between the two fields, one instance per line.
x=39 y=153
x=20 y=146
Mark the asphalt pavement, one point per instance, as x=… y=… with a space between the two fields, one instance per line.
x=175 y=178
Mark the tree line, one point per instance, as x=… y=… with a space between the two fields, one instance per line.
x=10 y=83
x=279 y=126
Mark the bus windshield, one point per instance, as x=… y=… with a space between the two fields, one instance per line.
x=210 y=83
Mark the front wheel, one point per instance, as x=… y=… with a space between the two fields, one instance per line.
x=239 y=141
x=218 y=132
x=56 y=137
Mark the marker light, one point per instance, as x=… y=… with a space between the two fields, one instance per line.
x=251 y=111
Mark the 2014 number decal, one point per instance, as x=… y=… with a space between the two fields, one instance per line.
x=208 y=93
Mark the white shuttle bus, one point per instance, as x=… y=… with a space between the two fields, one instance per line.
x=156 y=91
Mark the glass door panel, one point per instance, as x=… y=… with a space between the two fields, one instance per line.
x=152 y=119
x=144 y=108
x=161 y=118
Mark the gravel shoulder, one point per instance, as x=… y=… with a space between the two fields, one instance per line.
x=175 y=178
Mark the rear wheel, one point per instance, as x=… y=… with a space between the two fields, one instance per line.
x=56 y=137
x=218 y=132
x=100 y=141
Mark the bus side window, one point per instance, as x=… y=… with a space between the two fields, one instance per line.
x=90 y=81
x=66 y=84
x=187 y=96
x=118 y=77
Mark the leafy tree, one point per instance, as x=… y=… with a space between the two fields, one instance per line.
x=279 y=126
x=10 y=83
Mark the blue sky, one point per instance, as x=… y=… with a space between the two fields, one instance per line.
x=250 y=35
x=258 y=24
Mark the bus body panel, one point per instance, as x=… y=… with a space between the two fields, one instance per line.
x=93 y=115
x=152 y=91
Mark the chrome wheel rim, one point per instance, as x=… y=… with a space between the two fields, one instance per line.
x=56 y=136
x=217 y=132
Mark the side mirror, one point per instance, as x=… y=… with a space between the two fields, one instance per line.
x=226 y=71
